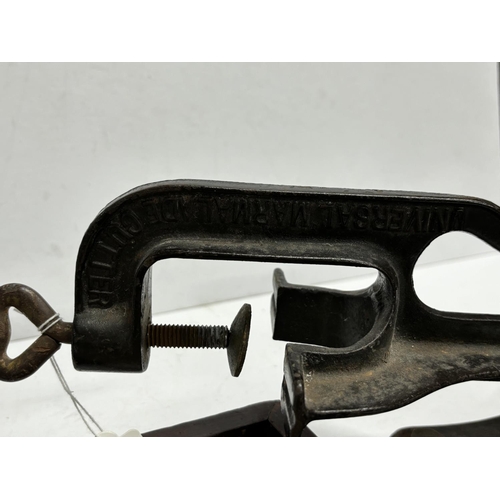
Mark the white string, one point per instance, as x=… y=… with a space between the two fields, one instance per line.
x=46 y=325
x=79 y=407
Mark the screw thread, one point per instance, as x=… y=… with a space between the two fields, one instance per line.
x=211 y=337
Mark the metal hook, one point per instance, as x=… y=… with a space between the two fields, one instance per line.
x=38 y=311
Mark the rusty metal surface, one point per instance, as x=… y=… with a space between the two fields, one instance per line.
x=353 y=353
x=38 y=311
x=234 y=339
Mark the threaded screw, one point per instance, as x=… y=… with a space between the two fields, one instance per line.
x=211 y=337
x=234 y=339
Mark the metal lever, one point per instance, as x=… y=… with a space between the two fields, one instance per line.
x=232 y=221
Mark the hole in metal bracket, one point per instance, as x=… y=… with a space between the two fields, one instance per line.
x=465 y=284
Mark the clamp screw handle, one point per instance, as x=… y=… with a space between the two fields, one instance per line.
x=234 y=339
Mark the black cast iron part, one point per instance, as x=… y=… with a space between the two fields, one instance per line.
x=263 y=419
x=357 y=353
x=480 y=428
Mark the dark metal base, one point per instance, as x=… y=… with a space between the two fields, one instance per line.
x=258 y=420
x=481 y=428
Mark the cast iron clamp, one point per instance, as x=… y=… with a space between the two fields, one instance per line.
x=352 y=353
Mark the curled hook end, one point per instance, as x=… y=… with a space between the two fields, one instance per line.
x=38 y=311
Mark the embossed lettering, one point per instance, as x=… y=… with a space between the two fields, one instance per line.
x=152 y=211
x=281 y=211
x=379 y=220
x=131 y=222
x=203 y=213
x=100 y=292
x=323 y=216
x=362 y=217
x=299 y=217
x=223 y=210
x=105 y=265
x=110 y=250
x=119 y=234
x=169 y=210
x=343 y=216
x=458 y=220
x=309 y=216
x=395 y=220
x=413 y=221
x=241 y=213
x=260 y=212
x=427 y=218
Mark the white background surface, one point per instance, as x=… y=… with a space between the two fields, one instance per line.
x=75 y=136
x=72 y=137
